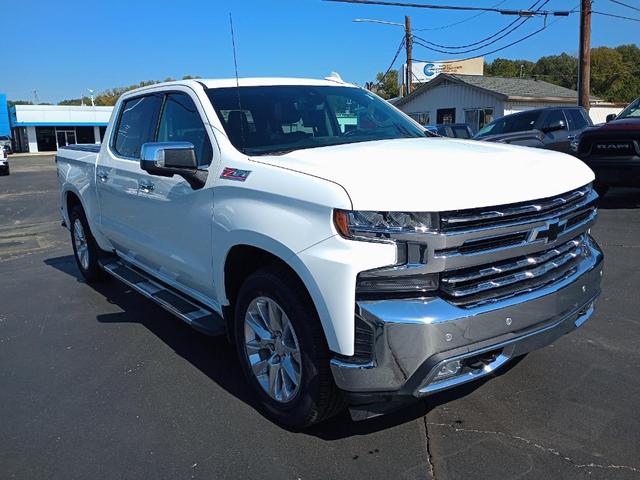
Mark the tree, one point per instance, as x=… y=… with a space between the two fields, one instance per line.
x=11 y=103
x=387 y=85
x=502 y=67
x=76 y=101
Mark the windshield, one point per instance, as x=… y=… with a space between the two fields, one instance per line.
x=632 y=111
x=279 y=119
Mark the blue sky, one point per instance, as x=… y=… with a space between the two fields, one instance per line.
x=62 y=48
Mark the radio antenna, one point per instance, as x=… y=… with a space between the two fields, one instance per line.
x=235 y=64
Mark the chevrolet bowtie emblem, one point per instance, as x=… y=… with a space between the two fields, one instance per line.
x=549 y=232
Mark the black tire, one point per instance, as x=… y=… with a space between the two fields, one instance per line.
x=600 y=188
x=90 y=270
x=317 y=397
x=5 y=171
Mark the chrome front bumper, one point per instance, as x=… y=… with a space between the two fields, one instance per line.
x=413 y=338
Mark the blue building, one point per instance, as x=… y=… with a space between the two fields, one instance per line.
x=5 y=129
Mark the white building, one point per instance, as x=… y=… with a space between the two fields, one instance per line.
x=44 y=128
x=477 y=100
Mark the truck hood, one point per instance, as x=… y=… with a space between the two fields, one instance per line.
x=615 y=126
x=437 y=174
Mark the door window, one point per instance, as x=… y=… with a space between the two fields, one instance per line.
x=554 y=116
x=575 y=119
x=137 y=124
x=181 y=122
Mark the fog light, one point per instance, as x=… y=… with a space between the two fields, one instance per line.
x=449 y=369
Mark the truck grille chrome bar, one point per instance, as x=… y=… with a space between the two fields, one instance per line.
x=511 y=277
x=559 y=205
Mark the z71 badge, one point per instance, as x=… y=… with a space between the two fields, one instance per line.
x=231 y=173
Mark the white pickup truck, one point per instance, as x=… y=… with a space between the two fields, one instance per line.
x=352 y=258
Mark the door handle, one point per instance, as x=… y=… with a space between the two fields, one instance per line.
x=103 y=176
x=570 y=137
x=146 y=186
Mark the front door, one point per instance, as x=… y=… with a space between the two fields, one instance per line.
x=557 y=139
x=446 y=115
x=175 y=219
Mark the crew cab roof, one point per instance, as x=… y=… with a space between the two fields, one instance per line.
x=267 y=81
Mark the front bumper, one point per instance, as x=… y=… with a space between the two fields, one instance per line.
x=414 y=338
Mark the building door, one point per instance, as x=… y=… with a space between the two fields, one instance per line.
x=446 y=115
x=46 y=139
x=66 y=137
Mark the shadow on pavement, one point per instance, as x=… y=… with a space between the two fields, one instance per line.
x=217 y=359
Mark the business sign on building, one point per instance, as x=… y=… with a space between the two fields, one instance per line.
x=427 y=71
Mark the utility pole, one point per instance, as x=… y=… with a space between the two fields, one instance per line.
x=584 y=60
x=408 y=41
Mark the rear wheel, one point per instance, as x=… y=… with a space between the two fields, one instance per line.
x=283 y=351
x=85 y=249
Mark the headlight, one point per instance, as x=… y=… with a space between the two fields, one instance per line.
x=397 y=227
x=383 y=225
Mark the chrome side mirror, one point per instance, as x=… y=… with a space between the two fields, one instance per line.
x=166 y=159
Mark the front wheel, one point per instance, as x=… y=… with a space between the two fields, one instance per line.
x=283 y=351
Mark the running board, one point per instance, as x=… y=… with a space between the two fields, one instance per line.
x=200 y=318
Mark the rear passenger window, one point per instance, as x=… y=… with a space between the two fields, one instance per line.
x=137 y=124
x=181 y=122
x=576 y=119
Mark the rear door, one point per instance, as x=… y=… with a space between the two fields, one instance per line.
x=118 y=171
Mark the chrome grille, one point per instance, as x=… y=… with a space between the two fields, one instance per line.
x=524 y=212
x=511 y=277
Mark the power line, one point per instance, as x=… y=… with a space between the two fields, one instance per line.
x=482 y=43
x=522 y=13
x=442 y=27
x=605 y=14
x=522 y=39
x=395 y=57
x=625 y=5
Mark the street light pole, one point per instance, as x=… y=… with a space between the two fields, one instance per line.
x=584 y=60
x=409 y=47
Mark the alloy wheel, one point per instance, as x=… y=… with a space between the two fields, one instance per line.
x=272 y=349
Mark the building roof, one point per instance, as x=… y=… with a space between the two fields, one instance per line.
x=515 y=89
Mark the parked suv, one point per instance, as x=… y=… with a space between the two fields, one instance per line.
x=553 y=128
x=612 y=150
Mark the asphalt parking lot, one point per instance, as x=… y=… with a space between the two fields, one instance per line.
x=101 y=383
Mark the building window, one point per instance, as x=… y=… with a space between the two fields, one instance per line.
x=423 y=118
x=478 y=117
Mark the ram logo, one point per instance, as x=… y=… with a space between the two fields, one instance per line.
x=612 y=146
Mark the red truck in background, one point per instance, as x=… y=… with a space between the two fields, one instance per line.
x=612 y=149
